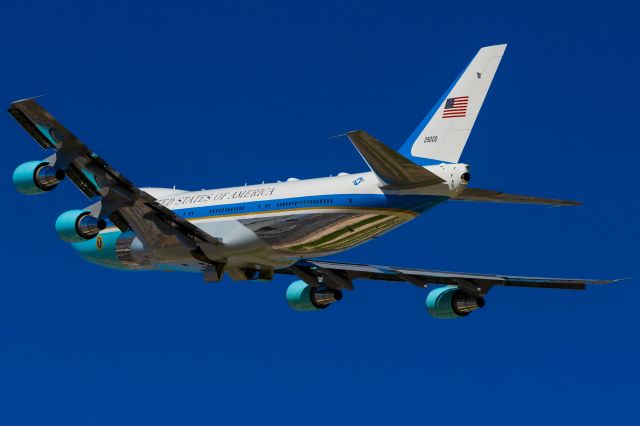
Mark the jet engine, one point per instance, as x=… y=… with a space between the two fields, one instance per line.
x=303 y=297
x=36 y=177
x=449 y=302
x=78 y=225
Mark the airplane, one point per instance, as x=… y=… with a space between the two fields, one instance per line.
x=253 y=232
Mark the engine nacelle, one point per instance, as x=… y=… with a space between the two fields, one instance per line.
x=303 y=297
x=449 y=302
x=36 y=177
x=78 y=225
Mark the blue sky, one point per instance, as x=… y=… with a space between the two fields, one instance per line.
x=201 y=96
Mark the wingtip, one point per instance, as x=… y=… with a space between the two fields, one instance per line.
x=567 y=204
x=620 y=279
x=28 y=99
x=613 y=281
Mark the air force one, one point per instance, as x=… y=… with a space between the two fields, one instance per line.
x=253 y=232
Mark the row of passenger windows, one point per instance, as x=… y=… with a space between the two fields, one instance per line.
x=267 y=205
x=305 y=202
x=220 y=210
x=227 y=209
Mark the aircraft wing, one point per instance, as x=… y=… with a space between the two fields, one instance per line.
x=121 y=201
x=340 y=275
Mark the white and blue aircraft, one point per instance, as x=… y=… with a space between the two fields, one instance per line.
x=253 y=232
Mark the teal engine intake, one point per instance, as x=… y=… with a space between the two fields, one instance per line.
x=36 y=177
x=303 y=297
x=78 y=225
x=450 y=302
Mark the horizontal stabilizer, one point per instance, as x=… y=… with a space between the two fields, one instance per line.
x=397 y=171
x=485 y=195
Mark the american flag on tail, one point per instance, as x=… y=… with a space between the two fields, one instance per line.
x=455 y=107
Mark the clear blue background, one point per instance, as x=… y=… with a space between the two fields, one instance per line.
x=202 y=96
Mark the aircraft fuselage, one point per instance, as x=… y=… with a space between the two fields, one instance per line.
x=274 y=225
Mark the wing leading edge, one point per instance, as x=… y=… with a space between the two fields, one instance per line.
x=311 y=271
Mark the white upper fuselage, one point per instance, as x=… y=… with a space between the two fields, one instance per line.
x=366 y=183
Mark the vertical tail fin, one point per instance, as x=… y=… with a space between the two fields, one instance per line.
x=443 y=133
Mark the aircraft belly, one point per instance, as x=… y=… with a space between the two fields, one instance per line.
x=273 y=239
x=315 y=234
